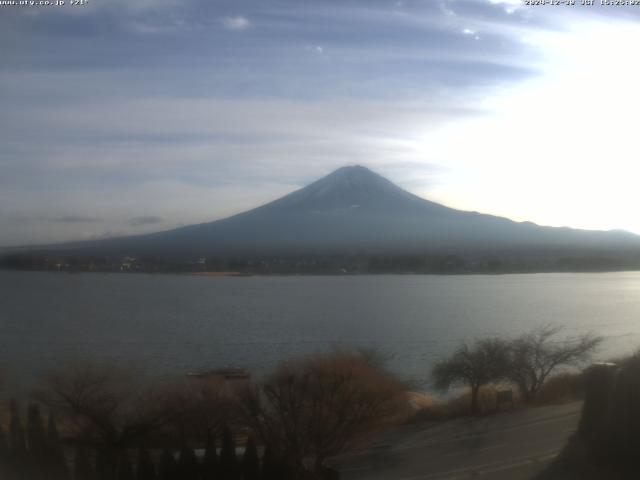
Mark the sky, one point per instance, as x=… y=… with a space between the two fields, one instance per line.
x=123 y=117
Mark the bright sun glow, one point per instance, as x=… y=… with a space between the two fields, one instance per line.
x=561 y=149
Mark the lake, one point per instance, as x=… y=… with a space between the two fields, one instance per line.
x=173 y=324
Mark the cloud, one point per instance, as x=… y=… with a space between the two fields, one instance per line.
x=105 y=235
x=510 y=6
x=74 y=219
x=236 y=23
x=126 y=123
x=26 y=219
x=558 y=148
x=145 y=220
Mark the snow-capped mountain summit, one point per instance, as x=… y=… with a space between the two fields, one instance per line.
x=354 y=210
x=350 y=188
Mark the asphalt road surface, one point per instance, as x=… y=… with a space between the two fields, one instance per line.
x=511 y=445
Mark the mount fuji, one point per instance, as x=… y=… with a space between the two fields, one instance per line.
x=351 y=211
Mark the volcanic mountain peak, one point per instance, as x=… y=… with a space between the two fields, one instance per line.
x=356 y=210
x=349 y=188
x=354 y=179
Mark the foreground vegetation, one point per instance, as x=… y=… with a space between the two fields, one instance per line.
x=106 y=424
x=607 y=441
x=527 y=362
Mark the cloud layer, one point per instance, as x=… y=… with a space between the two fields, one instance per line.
x=139 y=116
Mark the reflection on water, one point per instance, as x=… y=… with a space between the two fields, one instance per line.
x=174 y=324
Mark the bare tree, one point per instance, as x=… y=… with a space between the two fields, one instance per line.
x=205 y=406
x=105 y=408
x=320 y=407
x=535 y=355
x=474 y=366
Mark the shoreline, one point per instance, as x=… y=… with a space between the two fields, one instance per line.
x=322 y=274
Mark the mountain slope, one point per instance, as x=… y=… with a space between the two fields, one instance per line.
x=354 y=210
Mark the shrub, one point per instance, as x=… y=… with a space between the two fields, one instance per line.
x=473 y=366
x=564 y=387
x=321 y=406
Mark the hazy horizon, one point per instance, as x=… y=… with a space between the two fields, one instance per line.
x=288 y=195
x=121 y=118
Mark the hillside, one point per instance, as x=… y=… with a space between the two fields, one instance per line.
x=354 y=211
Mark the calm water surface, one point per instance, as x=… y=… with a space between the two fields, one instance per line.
x=175 y=324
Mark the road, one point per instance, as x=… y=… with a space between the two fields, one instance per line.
x=510 y=445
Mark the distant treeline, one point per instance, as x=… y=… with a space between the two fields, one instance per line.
x=500 y=262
